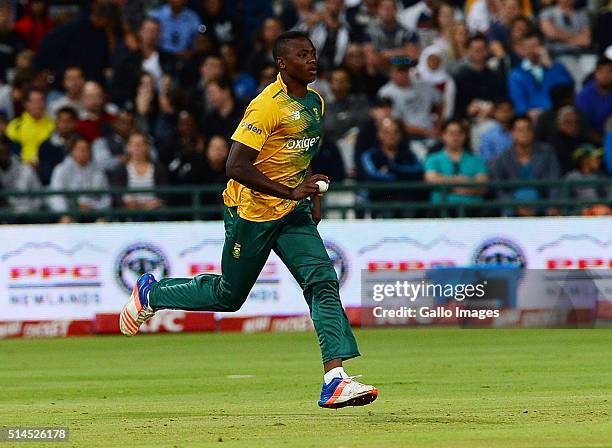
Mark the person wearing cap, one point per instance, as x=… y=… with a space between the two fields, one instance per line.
x=595 y=99
x=416 y=103
x=587 y=159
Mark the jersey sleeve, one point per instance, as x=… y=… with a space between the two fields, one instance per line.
x=257 y=124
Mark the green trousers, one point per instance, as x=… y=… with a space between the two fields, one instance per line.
x=297 y=242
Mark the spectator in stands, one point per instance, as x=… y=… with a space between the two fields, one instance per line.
x=568 y=37
x=95 y=118
x=498 y=34
x=11 y=44
x=330 y=35
x=444 y=23
x=17 y=176
x=567 y=136
x=526 y=160
x=360 y=17
x=219 y=22
x=111 y=149
x=148 y=57
x=390 y=160
x=146 y=104
x=32 y=127
x=431 y=69
x=361 y=80
x=546 y=124
x=529 y=83
x=73 y=83
x=420 y=17
x=595 y=99
x=477 y=85
x=137 y=170
x=386 y=38
x=179 y=26
x=85 y=41
x=413 y=102
x=479 y=15
x=244 y=85
x=78 y=172
x=55 y=149
x=184 y=153
x=343 y=110
x=189 y=69
x=497 y=138
x=34 y=24
x=298 y=14
x=224 y=114
x=587 y=159
x=368 y=132
x=262 y=56
x=453 y=165
x=211 y=70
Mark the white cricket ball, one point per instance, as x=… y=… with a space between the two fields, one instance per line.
x=323 y=186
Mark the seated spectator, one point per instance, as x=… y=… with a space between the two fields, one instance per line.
x=179 y=26
x=480 y=14
x=390 y=160
x=32 y=127
x=420 y=18
x=217 y=151
x=595 y=99
x=220 y=21
x=368 y=132
x=244 y=85
x=139 y=171
x=343 y=110
x=460 y=40
x=264 y=42
x=85 y=41
x=529 y=84
x=211 y=70
x=587 y=160
x=55 y=149
x=567 y=136
x=95 y=118
x=110 y=150
x=526 y=160
x=431 y=69
x=224 y=114
x=146 y=104
x=34 y=24
x=443 y=25
x=17 y=176
x=73 y=83
x=11 y=43
x=546 y=124
x=362 y=82
x=359 y=18
x=498 y=34
x=453 y=165
x=568 y=37
x=78 y=172
x=477 y=85
x=497 y=138
x=148 y=57
x=414 y=102
x=386 y=38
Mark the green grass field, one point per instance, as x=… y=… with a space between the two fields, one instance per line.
x=438 y=388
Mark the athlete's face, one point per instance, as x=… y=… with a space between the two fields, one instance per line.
x=300 y=60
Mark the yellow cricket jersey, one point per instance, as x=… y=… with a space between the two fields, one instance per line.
x=286 y=131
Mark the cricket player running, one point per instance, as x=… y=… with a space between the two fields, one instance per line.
x=266 y=208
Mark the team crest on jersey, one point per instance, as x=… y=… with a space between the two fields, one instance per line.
x=316 y=112
x=236 y=251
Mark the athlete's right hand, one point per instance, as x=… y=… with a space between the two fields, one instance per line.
x=307 y=187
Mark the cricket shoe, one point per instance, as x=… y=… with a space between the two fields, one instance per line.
x=341 y=392
x=137 y=310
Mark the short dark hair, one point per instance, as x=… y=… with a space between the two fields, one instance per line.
x=476 y=38
x=67 y=110
x=280 y=44
x=454 y=120
x=603 y=61
x=520 y=117
x=531 y=34
x=29 y=93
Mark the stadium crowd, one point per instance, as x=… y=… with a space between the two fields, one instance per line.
x=143 y=93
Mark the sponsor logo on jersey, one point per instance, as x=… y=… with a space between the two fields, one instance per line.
x=304 y=143
x=250 y=127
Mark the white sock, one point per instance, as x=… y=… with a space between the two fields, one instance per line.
x=334 y=373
